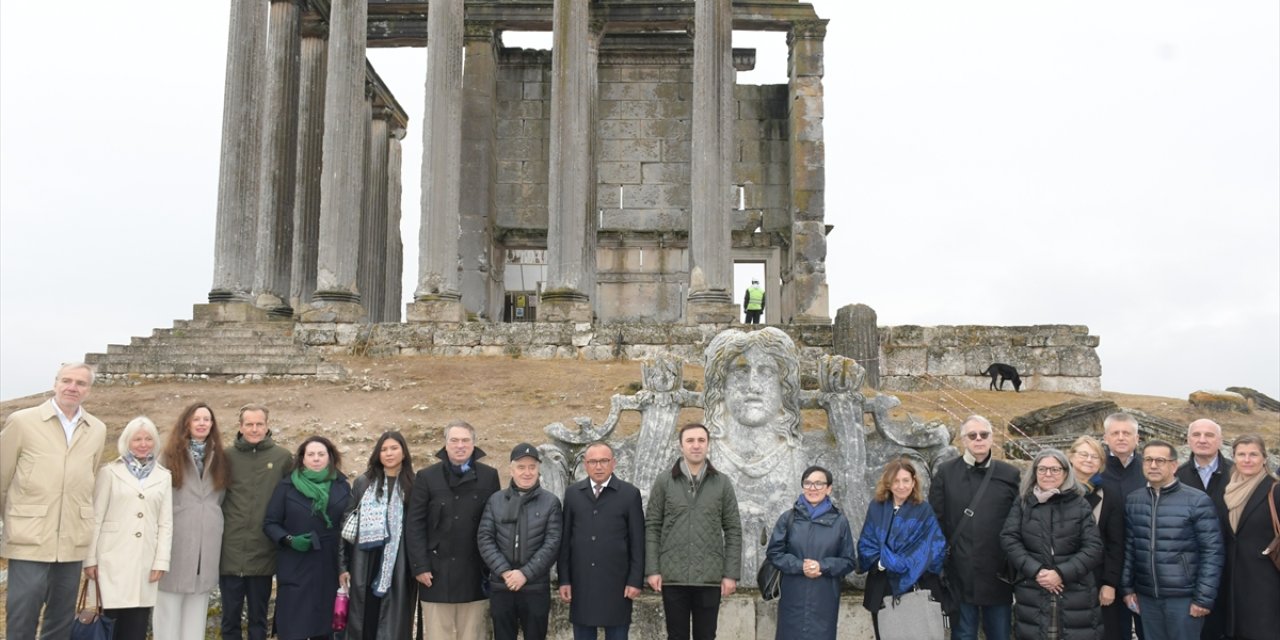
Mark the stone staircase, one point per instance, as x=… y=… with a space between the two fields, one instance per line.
x=209 y=349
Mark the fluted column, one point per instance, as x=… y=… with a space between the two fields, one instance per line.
x=437 y=298
x=337 y=296
x=569 y=257
x=373 y=222
x=278 y=168
x=710 y=241
x=395 y=246
x=479 y=169
x=306 y=201
x=805 y=291
x=234 y=235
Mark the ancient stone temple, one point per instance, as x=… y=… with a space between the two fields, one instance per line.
x=618 y=176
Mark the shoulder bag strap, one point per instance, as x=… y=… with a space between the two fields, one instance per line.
x=982 y=487
x=1275 y=521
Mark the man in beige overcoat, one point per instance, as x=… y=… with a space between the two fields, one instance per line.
x=48 y=457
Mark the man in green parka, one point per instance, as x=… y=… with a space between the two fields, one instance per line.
x=693 y=539
x=248 y=556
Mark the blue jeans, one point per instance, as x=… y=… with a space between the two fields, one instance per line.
x=583 y=632
x=1168 y=618
x=997 y=621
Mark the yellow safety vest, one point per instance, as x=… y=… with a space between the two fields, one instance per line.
x=755 y=298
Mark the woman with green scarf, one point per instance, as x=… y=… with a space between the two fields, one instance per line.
x=304 y=518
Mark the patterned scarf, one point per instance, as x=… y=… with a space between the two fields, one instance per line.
x=381 y=521
x=908 y=543
x=315 y=485
x=197 y=454
x=139 y=468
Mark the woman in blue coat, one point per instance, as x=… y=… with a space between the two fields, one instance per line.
x=901 y=547
x=304 y=517
x=812 y=547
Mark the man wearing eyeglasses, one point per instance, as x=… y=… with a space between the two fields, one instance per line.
x=602 y=548
x=1173 y=552
x=971 y=495
x=1209 y=471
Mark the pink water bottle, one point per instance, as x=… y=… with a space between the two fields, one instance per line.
x=340 y=604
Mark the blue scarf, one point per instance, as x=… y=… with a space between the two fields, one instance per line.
x=139 y=468
x=908 y=544
x=812 y=510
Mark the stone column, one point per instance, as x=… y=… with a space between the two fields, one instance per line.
x=807 y=286
x=278 y=168
x=479 y=169
x=856 y=336
x=437 y=298
x=569 y=255
x=373 y=221
x=241 y=140
x=395 y=247
x=337 y=297
x=306 y=200
x=710 y=242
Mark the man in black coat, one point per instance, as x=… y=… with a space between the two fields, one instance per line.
x=602 y=552
x=440 y=534
x=1121 y=475
x=972 y=524
x=1208 y=471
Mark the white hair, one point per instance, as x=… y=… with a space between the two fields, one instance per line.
x=142 y=423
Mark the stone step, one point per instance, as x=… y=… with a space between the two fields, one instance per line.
x=198 y=349
x=223 y=332
x=222 y=368
x=178 y=343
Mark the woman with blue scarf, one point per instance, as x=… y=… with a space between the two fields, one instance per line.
x=384 y=595
x=901 y=547
x=812 y=547
x=303 y=518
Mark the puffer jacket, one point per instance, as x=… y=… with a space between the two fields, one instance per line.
x=1057 y=534
x=1173 y=545
x=520 y=532
x=693 y=538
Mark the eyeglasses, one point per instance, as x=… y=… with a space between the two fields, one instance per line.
x=1158 y=462
x=1049 y=471
x=597 y=463
x=814 y=486
x=978 y=435
x=1085 y=455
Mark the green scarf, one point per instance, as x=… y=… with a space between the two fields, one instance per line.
x=315 y=485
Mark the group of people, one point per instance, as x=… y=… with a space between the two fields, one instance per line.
x=1093 y=542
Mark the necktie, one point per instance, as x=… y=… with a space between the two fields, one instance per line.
x=597 y=489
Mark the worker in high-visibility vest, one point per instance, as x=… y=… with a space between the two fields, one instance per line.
x=753 y=302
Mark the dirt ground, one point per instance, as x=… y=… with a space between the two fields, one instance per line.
x=508 y=400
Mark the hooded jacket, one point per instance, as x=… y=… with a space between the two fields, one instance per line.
x=256 y=469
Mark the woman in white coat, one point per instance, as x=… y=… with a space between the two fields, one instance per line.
x=194 y=457
x=132 y=530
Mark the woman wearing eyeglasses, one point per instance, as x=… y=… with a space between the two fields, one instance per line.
x=1087 y=455
x=812 y=546
x=1054 y=546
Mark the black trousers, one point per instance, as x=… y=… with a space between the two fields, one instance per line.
x=1119 y=623
x=683 y=604
x=528 y=610
x=753 y=317
x=131 y=624
x=235 y=591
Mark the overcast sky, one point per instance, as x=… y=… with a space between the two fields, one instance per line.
x=1113 y=164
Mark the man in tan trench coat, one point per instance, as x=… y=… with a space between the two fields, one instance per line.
x=48 y=457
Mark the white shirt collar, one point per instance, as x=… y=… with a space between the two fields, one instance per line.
x=68 y=424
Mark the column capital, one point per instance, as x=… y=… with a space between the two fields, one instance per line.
x=807 y=29
x=483 y=31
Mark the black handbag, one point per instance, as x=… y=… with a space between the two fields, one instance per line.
x=90 y=623
x=768 y=577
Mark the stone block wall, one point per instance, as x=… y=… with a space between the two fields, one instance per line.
x=523 y=126
x=1048 y=357
x=762 y=166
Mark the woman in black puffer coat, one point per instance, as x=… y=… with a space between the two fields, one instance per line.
x=1053 y=546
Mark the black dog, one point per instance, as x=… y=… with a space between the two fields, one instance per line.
x=1003 y=372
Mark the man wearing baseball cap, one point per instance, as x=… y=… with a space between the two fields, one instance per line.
x=519 y=540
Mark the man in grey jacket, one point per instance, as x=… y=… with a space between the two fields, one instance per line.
x=693 y=539
x=519 y=540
